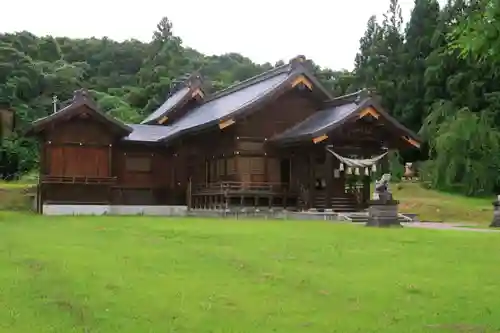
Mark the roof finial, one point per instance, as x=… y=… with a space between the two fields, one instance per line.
x=80 y=94
x=297 y=61
x=192 y=80
x=299 y=58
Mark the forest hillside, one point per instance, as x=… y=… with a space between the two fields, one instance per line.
x=429 y=74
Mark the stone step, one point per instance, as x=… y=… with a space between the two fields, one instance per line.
x=363 y=217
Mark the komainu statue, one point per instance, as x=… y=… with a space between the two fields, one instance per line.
x=382 y=191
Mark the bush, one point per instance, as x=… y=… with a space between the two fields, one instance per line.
x=16 y=198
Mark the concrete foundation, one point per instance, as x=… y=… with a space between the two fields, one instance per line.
x=264 y=214
x=52 y=209
x=383 y=213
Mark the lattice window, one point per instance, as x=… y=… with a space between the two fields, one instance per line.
x=138 y=164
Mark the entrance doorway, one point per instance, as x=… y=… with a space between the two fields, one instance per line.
x=285 y=171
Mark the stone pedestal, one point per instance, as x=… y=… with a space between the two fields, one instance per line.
x=383 y=213
x=496 y=215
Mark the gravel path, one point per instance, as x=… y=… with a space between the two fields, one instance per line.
x=446 y=226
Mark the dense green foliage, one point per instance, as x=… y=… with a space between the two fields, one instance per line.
x=440 y=90
x=438 y=76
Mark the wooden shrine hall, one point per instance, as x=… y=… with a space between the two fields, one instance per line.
x=278 y=139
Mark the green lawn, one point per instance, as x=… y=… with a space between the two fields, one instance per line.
x=437 y=206
x=140 y=274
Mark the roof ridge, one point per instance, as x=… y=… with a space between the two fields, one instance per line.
x=81 y=97
x=249 y=82
x=193 y=79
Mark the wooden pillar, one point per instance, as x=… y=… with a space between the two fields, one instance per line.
x=41 y=173
x=266 y=167
x=384 y=164
x=189 y=193
x=329 y=179
x=207 y=171
x=312 y=180
x=39 y=205
x=110 y=173
x=366 y=193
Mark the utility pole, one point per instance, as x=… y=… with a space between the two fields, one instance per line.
x=54 y=103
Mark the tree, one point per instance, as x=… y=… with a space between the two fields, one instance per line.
x=367 y=59
x=412 y=104
x=478 y=34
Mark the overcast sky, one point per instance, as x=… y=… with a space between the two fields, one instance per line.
x=326 y=31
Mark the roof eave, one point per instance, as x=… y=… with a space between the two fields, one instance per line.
x=290 y=140
x=396 y=123
x=316 y=83
x=368 y=102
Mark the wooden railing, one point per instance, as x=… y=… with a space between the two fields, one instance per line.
x=239 y=187
x=78 y=180
x=355 y=190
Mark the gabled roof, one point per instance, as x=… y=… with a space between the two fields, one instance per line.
x=243 y=97
x=187 y=89
x=80 y=98
x=337 y=112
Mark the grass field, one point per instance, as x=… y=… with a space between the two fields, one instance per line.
x=140 y=274
x=437 y=206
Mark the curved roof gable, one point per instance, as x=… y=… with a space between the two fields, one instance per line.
x=245 y=96
x=337 y=112
x=184 y=92
x=80 y=98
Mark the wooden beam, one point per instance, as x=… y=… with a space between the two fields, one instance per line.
x=163 y=120
x=369 y=111
x=320 y=138
x=411 y=141
x=302 y=79
x=225 y=123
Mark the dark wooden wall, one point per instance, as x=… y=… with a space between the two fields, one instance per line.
x=142 y=174
x=76 y=147
x=73 y=160
x=141 y=166
x=207 y=157
x=287 y=110
x=258 y=162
